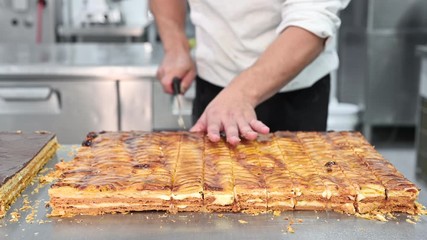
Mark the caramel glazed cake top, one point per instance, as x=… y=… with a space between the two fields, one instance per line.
x=17 y=149
x=338 y=171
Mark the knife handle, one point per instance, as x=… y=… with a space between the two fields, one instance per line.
x=176 y=85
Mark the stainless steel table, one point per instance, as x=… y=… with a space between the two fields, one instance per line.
x=85 y=87
x=106 y=61
x=158 y=225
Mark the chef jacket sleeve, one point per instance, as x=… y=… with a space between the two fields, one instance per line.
x=319 y=17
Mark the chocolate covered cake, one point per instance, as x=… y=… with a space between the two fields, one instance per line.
x=22 y=155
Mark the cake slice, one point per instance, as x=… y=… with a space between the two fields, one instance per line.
x=218 y=187
x=339 y=192
x=187 y=190
x=308 y=187
x=250 y=190
x=370 y=192
x=130 y=171
x=400 y=192
x=22 y=156
x=279 y=183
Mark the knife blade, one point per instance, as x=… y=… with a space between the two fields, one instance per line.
x=176 y=85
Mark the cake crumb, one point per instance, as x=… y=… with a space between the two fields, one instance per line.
x=277 y=213
x=300 y=220
x=242 y=221
x=420 y=209
x=381 y=217
x=49 y=177
x=390 y=216
x=290 y=229
x=410 y=221
x=220 y=215
x=30 y=217
x=372 y=216
x=14 y=217
x=36 y=190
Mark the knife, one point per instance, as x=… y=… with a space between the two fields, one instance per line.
x=176 y=85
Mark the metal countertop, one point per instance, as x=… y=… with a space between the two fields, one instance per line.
x=107 y=30
x=158 y=225
x=79 y=59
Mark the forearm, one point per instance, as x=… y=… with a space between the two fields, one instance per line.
x=170 y=20
x=288 y=55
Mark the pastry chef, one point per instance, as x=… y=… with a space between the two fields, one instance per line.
x=260 y=65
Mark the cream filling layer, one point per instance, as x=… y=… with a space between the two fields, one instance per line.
x=222 y=199
x=310 y=204
x=72 y=193
x=182 y=196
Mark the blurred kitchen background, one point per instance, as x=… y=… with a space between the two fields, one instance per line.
x=74 y=66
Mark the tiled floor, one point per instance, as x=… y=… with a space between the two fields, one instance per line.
x=404 y=159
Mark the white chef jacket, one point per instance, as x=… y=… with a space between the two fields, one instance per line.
x=232 y=34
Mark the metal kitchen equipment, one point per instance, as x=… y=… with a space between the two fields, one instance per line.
x=102 y=12
x=179 y=98
x=379 y=70
x=72 y=89
x=422 y=117
x=29 y=21
x=106 y=21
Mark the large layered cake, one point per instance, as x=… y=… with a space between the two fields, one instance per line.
x=22 y=155
x=181 y=171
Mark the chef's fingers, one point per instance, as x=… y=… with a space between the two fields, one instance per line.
x=259 y=126
x=160 y=73
x=231 y=132
x=166 y=81
x=213 y=128
x=200 y=125
x=246 y=130
x=187 y=80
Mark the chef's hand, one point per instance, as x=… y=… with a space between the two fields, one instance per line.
x=176 y=63
x=232 y=113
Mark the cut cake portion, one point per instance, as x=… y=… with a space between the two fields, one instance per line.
x=279 y=183
x=218 y=182
x=116 y=173
x=187 y=189
x=400 y=192
x=22 y=156
x=250 y=191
